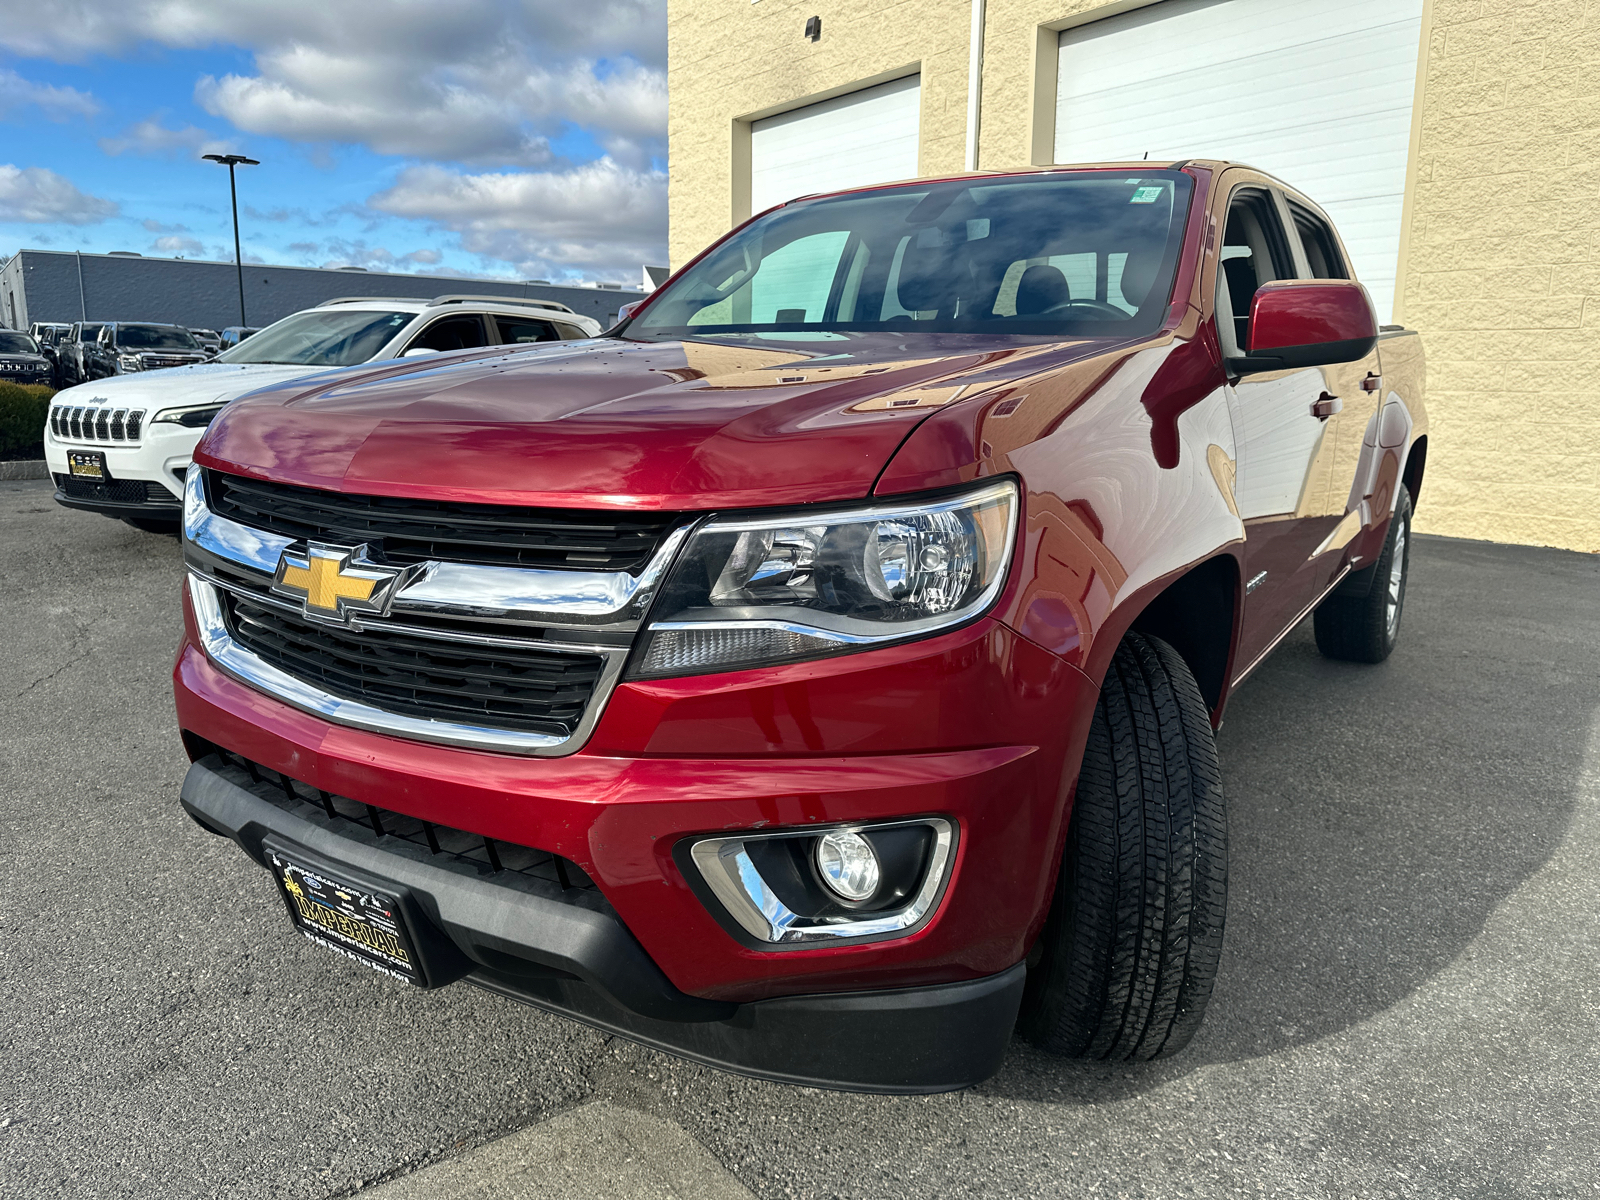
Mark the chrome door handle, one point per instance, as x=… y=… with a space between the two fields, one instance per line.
x=1372 y=383
x=1324 y=406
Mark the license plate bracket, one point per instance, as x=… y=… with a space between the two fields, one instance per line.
x=88 y=464
x=348 y=915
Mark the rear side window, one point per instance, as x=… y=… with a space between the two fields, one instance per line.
x=516 y=330
x=1322 y=250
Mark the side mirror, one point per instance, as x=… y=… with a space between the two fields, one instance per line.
x=418 y=352
x=1307 y=323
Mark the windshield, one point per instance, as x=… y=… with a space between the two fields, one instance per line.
x=321 y=337
x=154 y=337
x=17 y=343
x=1089 y=253
x=88 y=333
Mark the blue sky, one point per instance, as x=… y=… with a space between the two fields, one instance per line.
x=486 y=137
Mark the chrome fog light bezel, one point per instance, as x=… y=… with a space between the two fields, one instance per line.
x=724 y=865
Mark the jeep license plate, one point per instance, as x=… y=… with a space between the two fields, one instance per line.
x=366 y=926
x=88 y=464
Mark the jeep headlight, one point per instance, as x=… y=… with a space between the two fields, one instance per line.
x=752 y=591
x=195 y=417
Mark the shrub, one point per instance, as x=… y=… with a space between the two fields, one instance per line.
x=24 y=408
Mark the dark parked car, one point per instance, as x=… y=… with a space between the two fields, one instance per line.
x=208 y=338
x=22 y=360
x=72 y=367
x=234 y=334
x=127 y=346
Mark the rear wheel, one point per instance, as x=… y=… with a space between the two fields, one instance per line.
x=1363 y=627
x=1130 y=951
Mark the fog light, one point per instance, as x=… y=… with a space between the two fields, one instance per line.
x=847 y=865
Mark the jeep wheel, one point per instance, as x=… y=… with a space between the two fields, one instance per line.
x=1363 y=625
x=1130 y=950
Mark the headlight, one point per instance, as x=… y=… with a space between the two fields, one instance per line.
x=196 y=417
x=754 y=591
x=129 y=362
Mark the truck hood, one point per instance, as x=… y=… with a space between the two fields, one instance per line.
x=200 y=383
x=678 y=425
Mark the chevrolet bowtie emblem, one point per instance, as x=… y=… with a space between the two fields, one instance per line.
x=337 y=583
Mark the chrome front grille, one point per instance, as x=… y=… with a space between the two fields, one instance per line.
x=510 y=687
x=94 y=423
x=518 y=659
x=412 y=531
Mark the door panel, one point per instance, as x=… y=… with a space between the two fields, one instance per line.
x=1284 y=472
x=1283 y=453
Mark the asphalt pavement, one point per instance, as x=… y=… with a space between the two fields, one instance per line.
x=1407 y=1004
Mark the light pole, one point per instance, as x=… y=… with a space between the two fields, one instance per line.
x=235 y=160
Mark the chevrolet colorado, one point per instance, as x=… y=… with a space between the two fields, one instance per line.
x=815 y=675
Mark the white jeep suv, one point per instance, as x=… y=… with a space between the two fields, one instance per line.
x=121 y=446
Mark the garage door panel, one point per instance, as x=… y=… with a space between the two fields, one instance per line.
x=1317 y=92
x=1234 y=31
x=866 y=137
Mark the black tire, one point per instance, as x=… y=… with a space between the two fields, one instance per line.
x=1364 y=625
x=151 y=525
x=1130 y=951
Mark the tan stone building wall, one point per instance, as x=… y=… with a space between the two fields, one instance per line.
x=1500 y=251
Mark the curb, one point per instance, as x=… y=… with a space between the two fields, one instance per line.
x=31 y=469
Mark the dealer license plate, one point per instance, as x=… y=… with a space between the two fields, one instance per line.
x=363 y=925
x=88 y=464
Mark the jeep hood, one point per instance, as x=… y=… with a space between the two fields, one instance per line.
x=609 y=423
x=173 y=387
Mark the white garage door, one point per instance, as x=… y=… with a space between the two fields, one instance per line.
x=1316 y=92
x=862 y=138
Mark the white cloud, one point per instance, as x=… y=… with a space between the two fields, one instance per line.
x=344 y=252
x=187 y=247
x=600 y=218
x=35 y=194
x=151 y=137
x=316 y=97
x=56 y=103
x=482 y=82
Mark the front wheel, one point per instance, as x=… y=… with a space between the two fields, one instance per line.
x=1364 y=627
x=1130 y=950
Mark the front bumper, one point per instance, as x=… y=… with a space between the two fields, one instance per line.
x=581 y=961
x=974 y=726
x=147 y=479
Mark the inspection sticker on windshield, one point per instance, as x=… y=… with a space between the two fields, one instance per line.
x=1146 y=195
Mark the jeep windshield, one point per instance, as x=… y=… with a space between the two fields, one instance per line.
x=1087 y=253
x=321 y=337
x=154 y=337
x=17 y=343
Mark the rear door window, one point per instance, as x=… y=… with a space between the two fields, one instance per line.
x=518 y=330
x=1321 y=247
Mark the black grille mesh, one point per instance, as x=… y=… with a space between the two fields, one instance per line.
x=501 y=687
x=409 y=531
x=505 y=862
x=119 y=491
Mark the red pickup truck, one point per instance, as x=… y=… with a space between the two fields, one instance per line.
x=816 y=675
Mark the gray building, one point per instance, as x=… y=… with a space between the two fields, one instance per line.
x=54 y=285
